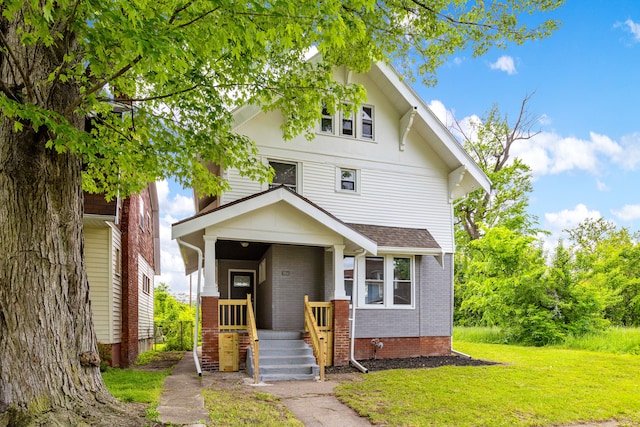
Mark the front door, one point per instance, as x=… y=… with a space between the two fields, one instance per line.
x=241 y=284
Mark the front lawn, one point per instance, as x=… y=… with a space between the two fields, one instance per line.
x=533 y=387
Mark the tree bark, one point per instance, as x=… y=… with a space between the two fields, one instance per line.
x=48 y=346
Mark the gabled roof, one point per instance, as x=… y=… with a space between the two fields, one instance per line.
x=465 y=175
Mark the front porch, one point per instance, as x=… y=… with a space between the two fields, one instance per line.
x=326 y=330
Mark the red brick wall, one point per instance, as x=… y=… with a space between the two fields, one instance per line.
x=145 y=234
x=98 y=205
x=210 y=359
x=340 y=332
x=397 y=348
x=130 y=230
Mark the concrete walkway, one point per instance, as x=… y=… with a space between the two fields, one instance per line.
x=312 y=402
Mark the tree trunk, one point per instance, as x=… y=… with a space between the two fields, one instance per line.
x=48 y=351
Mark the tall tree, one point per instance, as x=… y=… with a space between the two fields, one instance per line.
x=490 y=141
x=177 y=68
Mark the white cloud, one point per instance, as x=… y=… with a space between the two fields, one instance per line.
x=504 y=63
x=569 y=218
x=634 y=28
x=602 y=186
x=627 y=213
x=550 y=153
x=556 y=222
x=179 y=205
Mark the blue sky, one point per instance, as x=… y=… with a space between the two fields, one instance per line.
x=586 y=79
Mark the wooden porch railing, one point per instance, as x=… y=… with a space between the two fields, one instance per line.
x=237 y=315
x=317 y=340
x=254 y=342
x=323 y=313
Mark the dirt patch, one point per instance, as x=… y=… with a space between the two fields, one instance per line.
x=163 y=360
x=374 y=365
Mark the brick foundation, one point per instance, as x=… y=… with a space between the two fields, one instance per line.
x=210 y=333
x=398 y=348
x=340 y=332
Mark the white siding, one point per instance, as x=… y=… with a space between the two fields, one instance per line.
x=97 y=260
x=145 y=300
x=397 y=188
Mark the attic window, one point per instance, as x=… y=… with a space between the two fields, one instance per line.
x=326 y=123
x=347 y=125
x=367 y=122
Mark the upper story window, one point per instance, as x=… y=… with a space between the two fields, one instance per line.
x=326 y=123
x=367 y=122
x=347 y=125
x=141 y=213
x=347 y=180
x=285 y=174
x=351 y=123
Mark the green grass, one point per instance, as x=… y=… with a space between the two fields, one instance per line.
x=129 y=385
x=612 y=340
x=533 y=387
x=238 y=407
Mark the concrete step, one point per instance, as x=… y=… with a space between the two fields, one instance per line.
x=284 y=356
x=264 y=334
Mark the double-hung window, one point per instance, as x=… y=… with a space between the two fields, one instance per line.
x=326 y=123
x=367 y=122
x=347 y=180
x=285 y=174
x=388 y=282
x=348 y=276
x=347 y=122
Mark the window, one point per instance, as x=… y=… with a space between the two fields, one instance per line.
x=388 y=282
x=367 y=122
x=285 y=174
x=374 y=281
x=146 y=284
x=148 y=222
x=141 y=213
x=348 y=277
x=347 y=180
x=326 y=123
x=402 y=281
x=347 y=127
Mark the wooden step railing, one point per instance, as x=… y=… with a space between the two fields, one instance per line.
x=237 y=315
x=317 y=340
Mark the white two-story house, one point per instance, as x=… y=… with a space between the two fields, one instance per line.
x=361 y=217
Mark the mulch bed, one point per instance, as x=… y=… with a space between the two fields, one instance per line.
x=374 y=365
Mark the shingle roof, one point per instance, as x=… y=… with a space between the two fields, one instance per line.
x=397 y=237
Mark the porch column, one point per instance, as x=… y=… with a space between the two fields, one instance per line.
x=209 y=300
x=338 y=273
x=210 y=288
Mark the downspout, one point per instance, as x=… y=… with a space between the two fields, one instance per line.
x=354 y=301
x=195 y=328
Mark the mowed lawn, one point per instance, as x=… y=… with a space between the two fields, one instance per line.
x=532 y=387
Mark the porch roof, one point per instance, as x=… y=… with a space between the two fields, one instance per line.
x=413 y=239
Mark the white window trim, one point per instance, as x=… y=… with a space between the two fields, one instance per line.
x=267 y=160
x=339 y=188
x=373 y=123
x=333 y=123
x=357 y=124
x=388 y=284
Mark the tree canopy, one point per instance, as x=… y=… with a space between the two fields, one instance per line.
x=178 y=68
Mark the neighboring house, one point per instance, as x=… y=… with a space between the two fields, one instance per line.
x=122 y=255
x=362 y=215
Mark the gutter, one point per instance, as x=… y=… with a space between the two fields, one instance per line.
x=195 y=328
x=354 y=301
